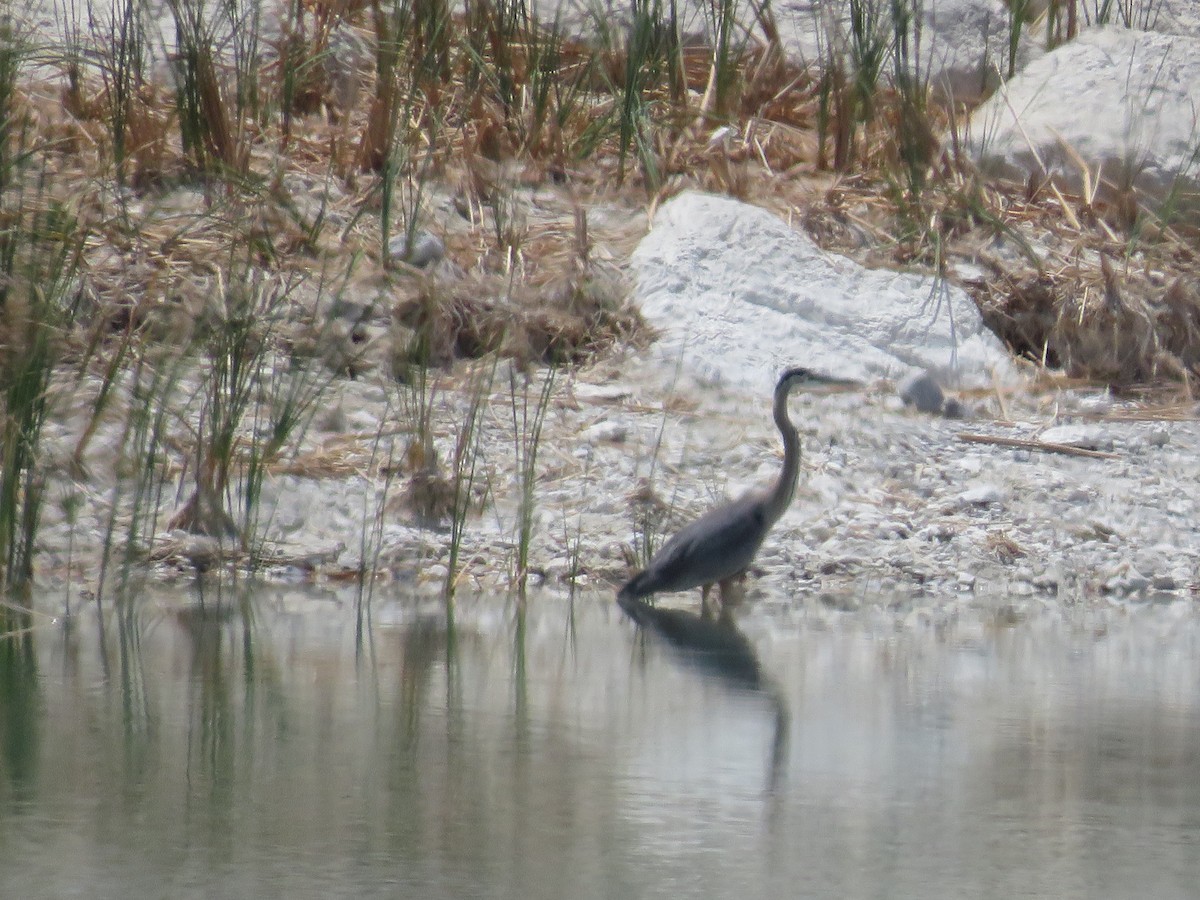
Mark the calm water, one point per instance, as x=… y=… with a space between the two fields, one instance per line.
x=271 y=748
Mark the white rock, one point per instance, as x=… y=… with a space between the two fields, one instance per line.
x=982 y=494
x=606 y=432
x=972 y=464
x=1130 y=581
x=740 y=295
x=425 y=248
x=1124 y=101
x=962 y=41
x=1085 y=437
x=599 y=393
x=1096 y=403
x=1158 y=437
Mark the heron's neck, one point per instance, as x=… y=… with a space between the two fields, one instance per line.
x=781 y=495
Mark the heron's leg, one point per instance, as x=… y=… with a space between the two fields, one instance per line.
x=733 y=592
x=706 y=611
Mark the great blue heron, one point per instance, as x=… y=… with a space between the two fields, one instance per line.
x=718 y=547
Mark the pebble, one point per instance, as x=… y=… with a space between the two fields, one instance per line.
x=981 y=495
x=1085 y=437
x=954 y=408
x=1165 y=583
x=1158 y=437
x=922 y=391
x=434 y=572
x=426 y=249
x=606 y=431
x=601 y=393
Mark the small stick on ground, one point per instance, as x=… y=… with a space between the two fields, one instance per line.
x=1046 y=446
x=999 y=396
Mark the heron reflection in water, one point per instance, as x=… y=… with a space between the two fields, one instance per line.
x=717 y=648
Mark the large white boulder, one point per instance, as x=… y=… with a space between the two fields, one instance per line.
x=1163 y=16
x=739 y=295
x=960 y=46
x=1127 y=103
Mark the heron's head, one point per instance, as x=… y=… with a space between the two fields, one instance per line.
x=800 y=377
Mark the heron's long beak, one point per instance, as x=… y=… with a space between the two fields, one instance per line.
x=828 y=384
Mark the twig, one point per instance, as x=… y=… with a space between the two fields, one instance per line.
x=1046 y=446
x=999 y=396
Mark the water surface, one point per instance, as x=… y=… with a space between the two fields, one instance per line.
x=275 y=745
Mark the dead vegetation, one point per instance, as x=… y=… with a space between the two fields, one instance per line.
x=1058 y=279
x=559 y=323
x=362 y=118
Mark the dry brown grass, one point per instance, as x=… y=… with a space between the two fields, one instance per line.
x=1061 y=281
x=530 y=288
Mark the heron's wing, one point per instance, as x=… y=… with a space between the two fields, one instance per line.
x=718 y=545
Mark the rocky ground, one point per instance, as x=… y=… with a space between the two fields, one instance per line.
x=894 y=505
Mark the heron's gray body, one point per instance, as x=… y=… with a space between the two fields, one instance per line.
x=719 y=547
x=720 y=544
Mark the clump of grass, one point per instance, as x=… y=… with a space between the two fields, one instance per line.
x=29 y=329
x=1138 y=15
x=564 y=321
x=852 y=69
x=915 y=141
x=1019 y=13
x=572 y=535
x=40 y=246
x=528 y=412
x=153 y=388
x=652 y=515
x=650 y=50
x=430 y=493
x=254 y=402
x=383 y=460
x=464 y=466
x=122 y=73
x=205 y=127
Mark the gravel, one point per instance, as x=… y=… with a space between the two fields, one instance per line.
x=889 y=497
